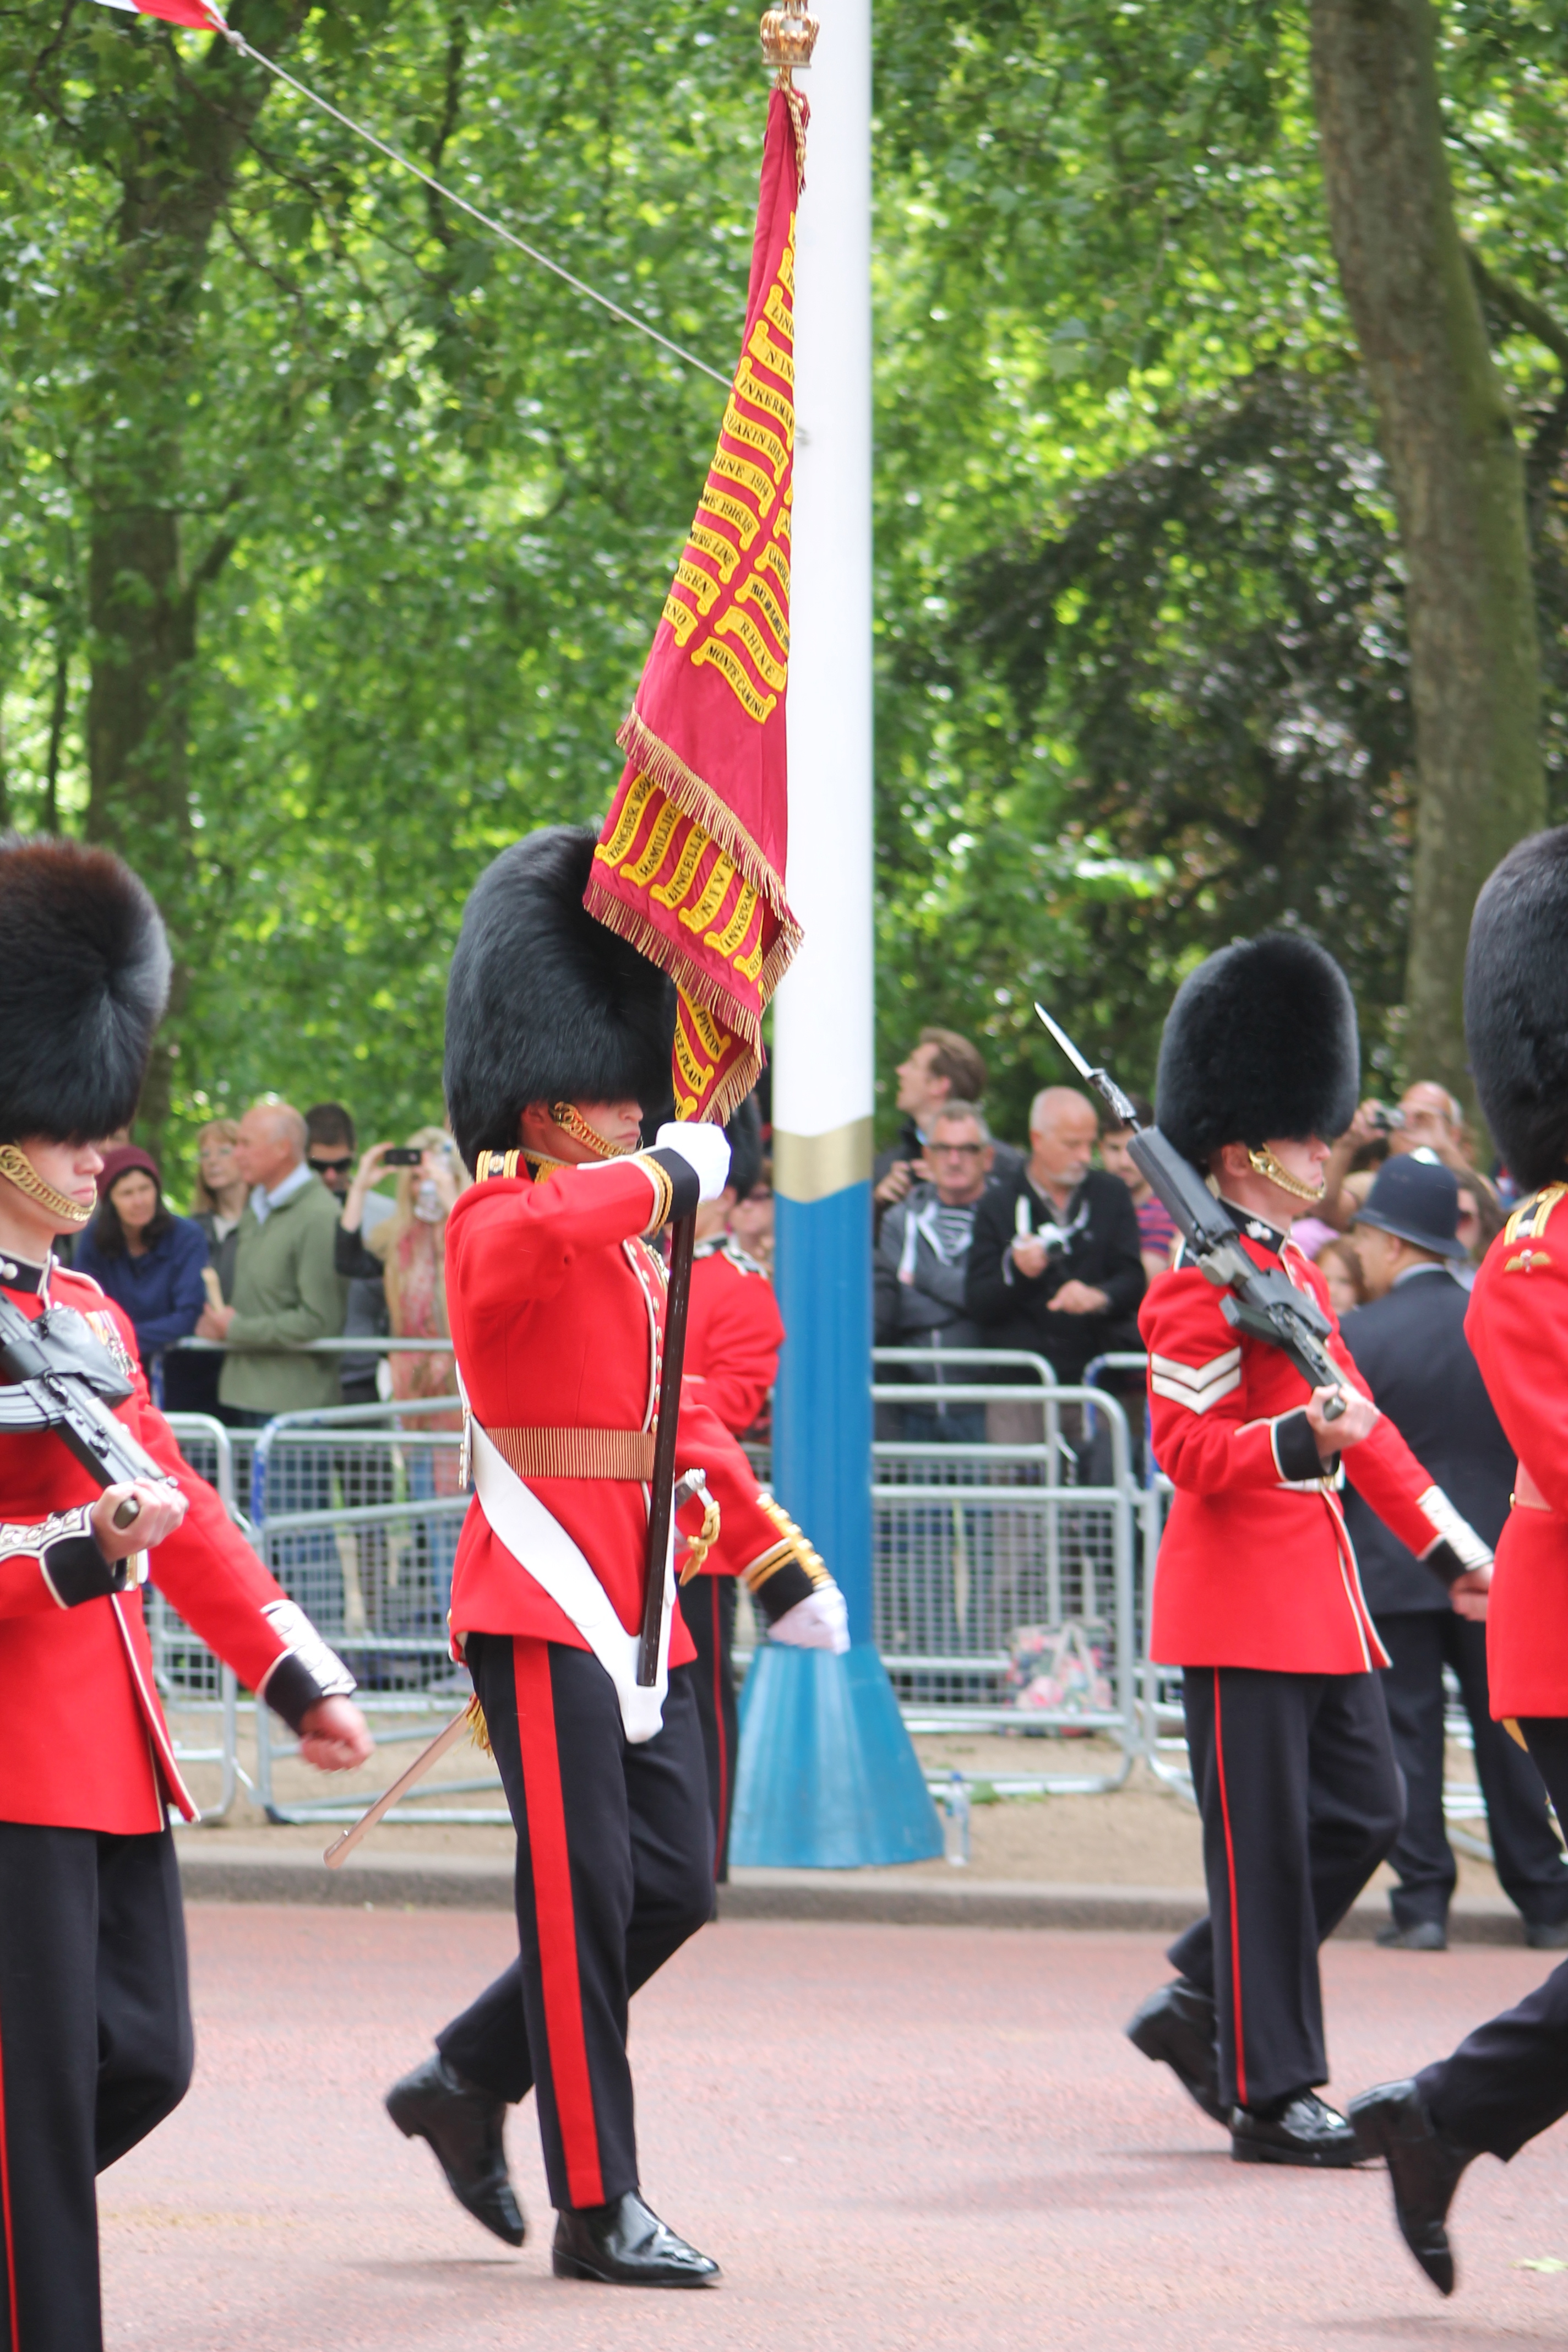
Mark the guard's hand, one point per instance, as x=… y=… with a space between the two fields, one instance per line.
x=1468 y=1594
x=705 y=1149
x=894 y=1185
x=820 y=1621
x=1030 y=1256
x=162 y=1508
x=335 y=1736
x=1078 y=1298
x=1359 y=1419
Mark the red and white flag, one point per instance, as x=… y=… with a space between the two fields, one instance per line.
x=193 y=13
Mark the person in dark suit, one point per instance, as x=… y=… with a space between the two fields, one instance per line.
x=1409 y=1345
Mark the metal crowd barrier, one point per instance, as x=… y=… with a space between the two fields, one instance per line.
x=190 y=1680
x=357 y=1511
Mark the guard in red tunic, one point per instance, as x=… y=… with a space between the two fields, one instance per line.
x=1509 y=2080
x=95 y=2027
x=733 y=1335
x=558 y=1038
x=1256 y=1596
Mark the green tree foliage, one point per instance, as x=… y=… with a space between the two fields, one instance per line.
x=404 y=508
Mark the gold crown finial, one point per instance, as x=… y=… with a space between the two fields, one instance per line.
x=789 y=35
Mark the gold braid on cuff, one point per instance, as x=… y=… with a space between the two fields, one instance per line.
x=794 y=1546
x=24 y=1176
x=663 y=1193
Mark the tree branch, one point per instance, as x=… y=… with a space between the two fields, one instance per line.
x=1511 y=302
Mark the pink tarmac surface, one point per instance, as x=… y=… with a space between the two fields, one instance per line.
x=888 y=2136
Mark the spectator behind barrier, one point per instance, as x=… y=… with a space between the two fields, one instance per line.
x=1428 y=1119
x=408 y=1249
x=286 y=1291
x=148 y=1260
x=330 y=1146
x=217 y=1204
x=1156 y=1227
x=943 y=1067
x=921 y=1264
x=1056 y=1264
x=1481 y=1218
x=1341 y=1268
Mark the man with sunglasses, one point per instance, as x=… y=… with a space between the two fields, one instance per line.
x=332 y=1149
x=923 y=1258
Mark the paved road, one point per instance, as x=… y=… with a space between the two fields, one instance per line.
x=890 y=2136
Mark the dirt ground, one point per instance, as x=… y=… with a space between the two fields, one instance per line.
x=1140 y=1834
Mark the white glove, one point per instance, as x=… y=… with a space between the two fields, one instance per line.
x=705 y=1149
x=820 y=1621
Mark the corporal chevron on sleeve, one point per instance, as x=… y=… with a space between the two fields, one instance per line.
x=1197 y=1386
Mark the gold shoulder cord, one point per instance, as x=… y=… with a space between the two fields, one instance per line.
x=24 y=1176
x=1529 y=1221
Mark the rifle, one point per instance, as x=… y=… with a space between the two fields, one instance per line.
x=71 y=1382
x=1264 y=1304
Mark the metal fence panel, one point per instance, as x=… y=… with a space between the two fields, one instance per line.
x=190 y=1679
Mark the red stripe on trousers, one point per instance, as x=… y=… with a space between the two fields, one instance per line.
x=556 y=1921
x=1235 y=1923
x=14 y=2331
x=718 y=1665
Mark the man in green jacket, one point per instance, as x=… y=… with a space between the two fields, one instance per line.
x=286 y=1291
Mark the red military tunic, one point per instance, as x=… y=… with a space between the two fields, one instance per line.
x=557 y=1314
x=1517 y=1331
x=1255 y=1568
x=85 y=1745
x=733 y=1332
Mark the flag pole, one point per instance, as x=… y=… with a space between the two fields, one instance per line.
x=826 y=1776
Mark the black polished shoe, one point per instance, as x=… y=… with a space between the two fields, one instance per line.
x=1421 y=1935
x=1296 y=2130
x=625 y=2244
x=1176 y=2025
x=1424 y=2169
x=463 y=2126
x=1547 y=1935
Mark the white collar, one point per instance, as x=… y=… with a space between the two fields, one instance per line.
x=264 y=1202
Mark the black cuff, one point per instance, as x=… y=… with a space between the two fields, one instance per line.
x=1443 y=1561
x=293 y=1691
x=788 y=1584
x=1296 y=1449
x=686 y=1185
x=78 y=1571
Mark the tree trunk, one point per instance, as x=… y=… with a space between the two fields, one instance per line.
x=1458 y=487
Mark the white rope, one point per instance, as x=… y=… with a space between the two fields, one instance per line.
x=497 y=228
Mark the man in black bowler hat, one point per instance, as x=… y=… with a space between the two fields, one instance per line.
x=1409 y=1344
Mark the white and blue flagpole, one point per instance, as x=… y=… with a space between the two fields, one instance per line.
x=827 y=1774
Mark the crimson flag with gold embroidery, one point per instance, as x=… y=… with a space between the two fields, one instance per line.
x=690 y=864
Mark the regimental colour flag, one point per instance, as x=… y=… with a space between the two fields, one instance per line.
x=193 y=13
x=691 y=863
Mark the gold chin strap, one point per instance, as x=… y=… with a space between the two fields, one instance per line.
x=570 y=1119
x=1264 y=1163
x=24 y=1176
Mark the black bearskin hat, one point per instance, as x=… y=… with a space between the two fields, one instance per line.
x=1260 y=1042
x=84 y=978
x=1516 y=1007
x=744 y=1131
x=545 y=1004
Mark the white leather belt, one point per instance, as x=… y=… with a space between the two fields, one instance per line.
x=539 y=1543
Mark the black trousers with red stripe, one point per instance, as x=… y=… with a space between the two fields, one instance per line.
x=95 y=2049
x=614 y=1871
x=1301 y=1798
x=1508 y=2079
x=707 y=1605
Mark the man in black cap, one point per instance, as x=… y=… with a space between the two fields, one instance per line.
x=1410 y=1348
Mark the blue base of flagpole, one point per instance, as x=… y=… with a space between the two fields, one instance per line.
x=826 y=1778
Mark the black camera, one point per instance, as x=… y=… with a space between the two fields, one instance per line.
x=403 y=1155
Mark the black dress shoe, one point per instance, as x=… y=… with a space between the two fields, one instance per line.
x=625 y=2244
x=1547 y=1935
x=463 y=2126
x=1176 y=2025
x=1296 y=2130
x=1421 y=1935
x=1424 y=2169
